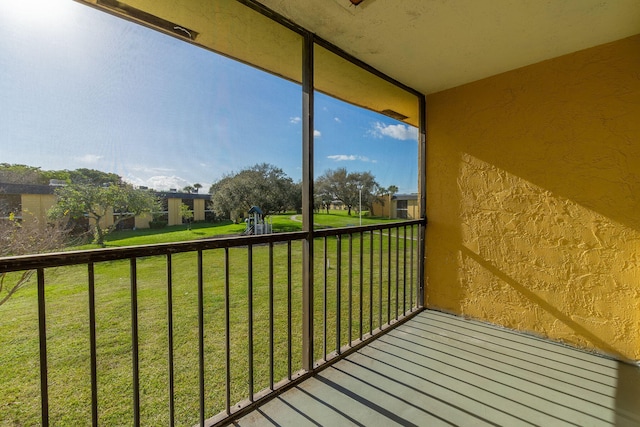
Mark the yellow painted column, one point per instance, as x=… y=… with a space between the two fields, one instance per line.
x=35 y=207
x=198 y=209
x=107 y=219
x=142 y=221
x=173 y=206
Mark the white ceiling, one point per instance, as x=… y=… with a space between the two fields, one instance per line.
x=433 y=45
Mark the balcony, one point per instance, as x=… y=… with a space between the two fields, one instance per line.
x=532 y=185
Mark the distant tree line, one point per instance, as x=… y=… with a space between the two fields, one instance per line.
x=23 y=174
x=269 y=188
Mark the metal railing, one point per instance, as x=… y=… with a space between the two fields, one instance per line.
x=176 y=333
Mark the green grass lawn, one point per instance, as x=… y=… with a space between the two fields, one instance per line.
x=68 y=334
x=201 y=230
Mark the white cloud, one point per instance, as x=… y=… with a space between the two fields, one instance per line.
x=342 y=157
x=295 y=120
x=161 y=182
x=89 y=158
x=317 y=133
x=350 y=158
x=337 y=119
x=151 y=170
x=399 y=131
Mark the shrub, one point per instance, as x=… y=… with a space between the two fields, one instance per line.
x=157 y=224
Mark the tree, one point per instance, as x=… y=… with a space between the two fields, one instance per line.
x=347 y=187
x=23 y=238
x=262 y=185
x=197 y=186
x=96 y=202
x=21 y=174
x=94 y=177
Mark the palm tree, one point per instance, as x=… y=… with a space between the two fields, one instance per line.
x=391 y=190
x=197 y=186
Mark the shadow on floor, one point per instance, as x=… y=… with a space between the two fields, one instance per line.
x=441 y=370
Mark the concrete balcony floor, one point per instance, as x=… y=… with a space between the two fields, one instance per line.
x=438 y=369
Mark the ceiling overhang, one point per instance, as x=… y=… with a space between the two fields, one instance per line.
x=428 y=45
x=432 y=45
x=230 y=28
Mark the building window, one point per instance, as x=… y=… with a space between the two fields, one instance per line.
x=402 y=209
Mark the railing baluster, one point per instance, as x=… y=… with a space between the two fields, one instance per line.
x=381 y=284
x=92 y=344
x=361 y=285
x=371 y=268
x=324 y=302
x=134 y=341
x=411 y=284
x=250 y=316
x=404 y=271
x=172 y=392
x=201 y=336
x=388 y=276
x=338 y=290
x=397 y=269
x=227 y=332
x=350 y=295
x=289 y=309
x=42 y=334
x=271 y=335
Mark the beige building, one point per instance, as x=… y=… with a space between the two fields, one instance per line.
x=31 y=202
x=172 y=202
x=400 y=206
x=28 y=202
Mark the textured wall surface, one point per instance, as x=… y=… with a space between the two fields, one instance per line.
x=35 y=206
x=173 y=211
x=533 y=199
x=198 y=209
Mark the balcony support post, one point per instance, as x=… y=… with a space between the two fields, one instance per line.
x=307 y=201
x=422 y=189
x=42 y=333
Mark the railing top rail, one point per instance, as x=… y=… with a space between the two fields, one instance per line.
x=57 y=259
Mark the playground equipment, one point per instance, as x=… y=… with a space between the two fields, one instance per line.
x=255 y=223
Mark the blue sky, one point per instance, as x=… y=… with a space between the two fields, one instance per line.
x=80 y=88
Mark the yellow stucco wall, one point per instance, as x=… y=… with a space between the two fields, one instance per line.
x=173 y=208
x=142 y=220
x=378 y=209
x=35 y=206
x=107 y=220
x=413 y=210
x=381 y=207
x=533 y=199
x=198 y=209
